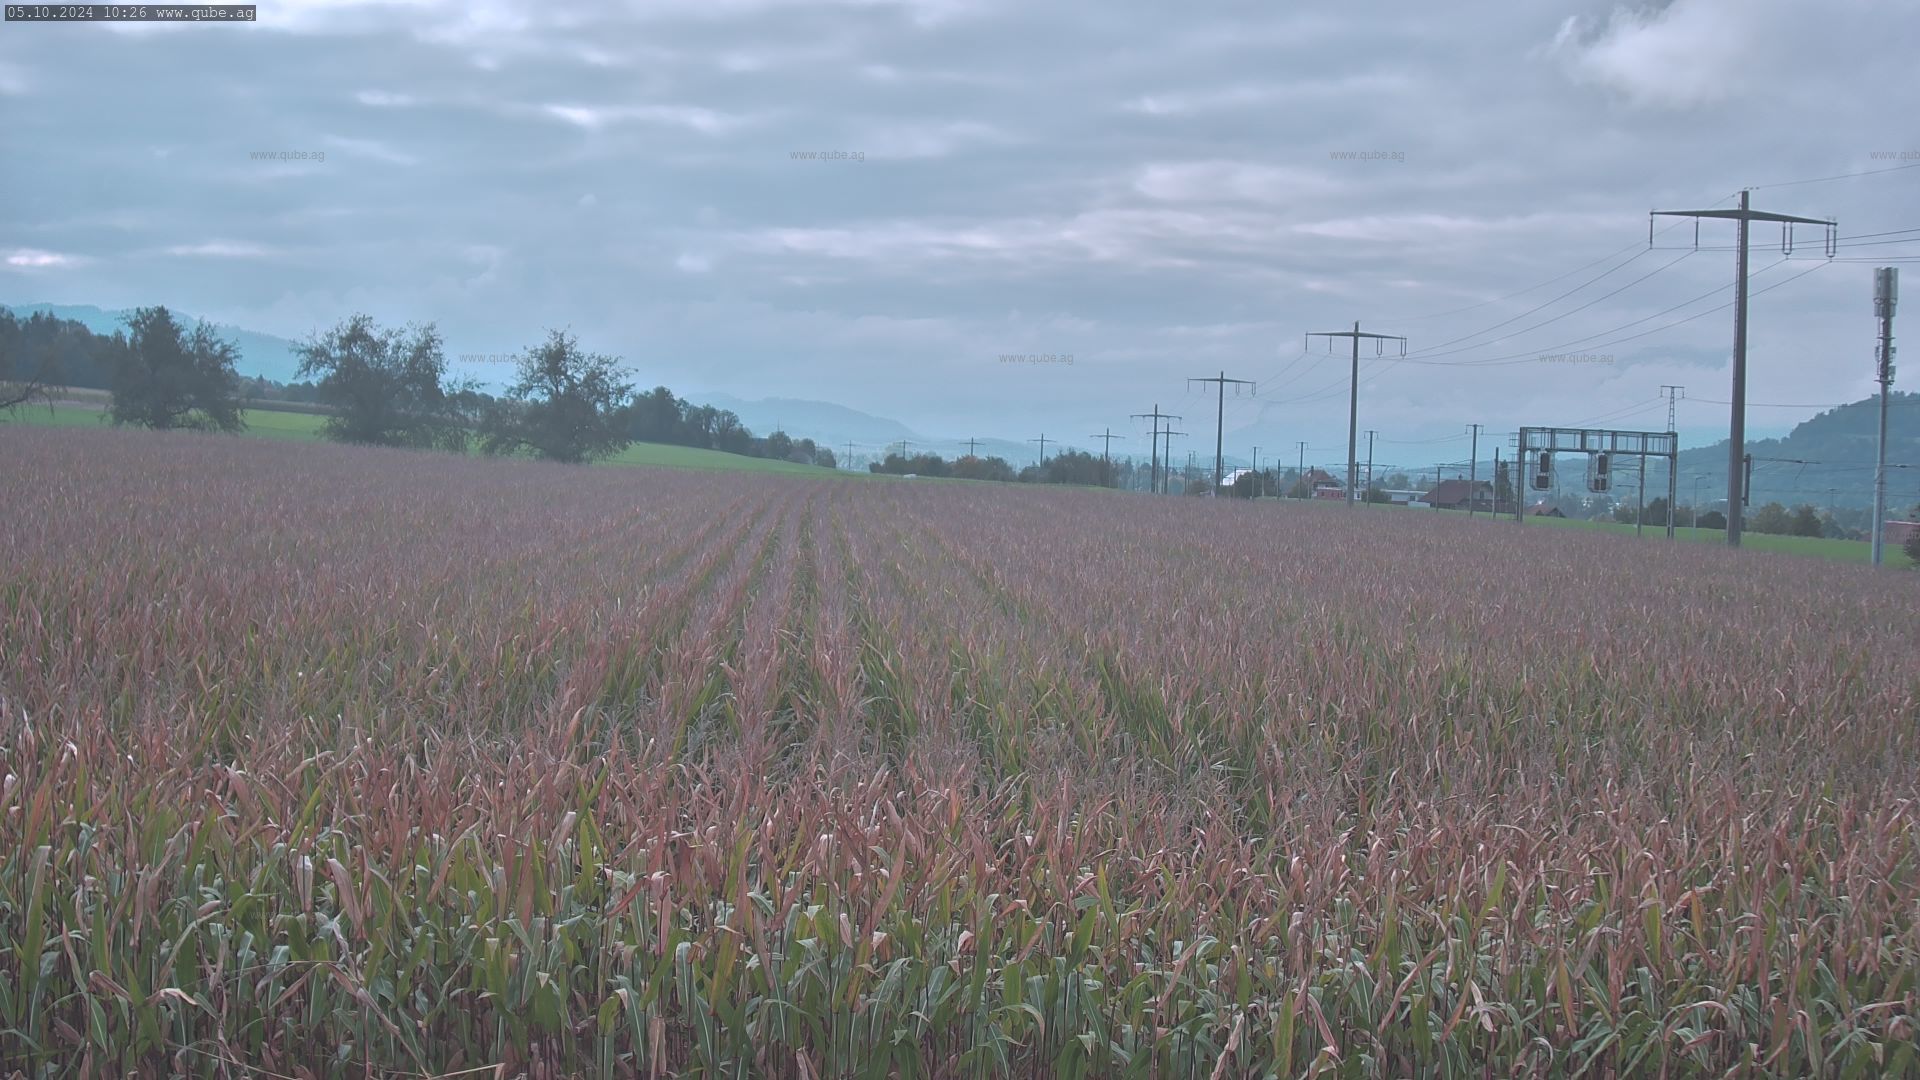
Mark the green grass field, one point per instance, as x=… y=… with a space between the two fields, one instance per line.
x=1819 y=547
x=305 y=427
x=1855 y=551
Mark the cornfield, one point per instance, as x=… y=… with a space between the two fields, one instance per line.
x=321 y=761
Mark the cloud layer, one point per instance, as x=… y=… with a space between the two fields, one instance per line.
x=870 y=201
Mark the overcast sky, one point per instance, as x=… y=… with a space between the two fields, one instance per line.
x=1155 y=190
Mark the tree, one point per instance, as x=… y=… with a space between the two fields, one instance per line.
x=729 y=434
x=1712 y=519
x=20 y=383
x=824 y=458
x=1771 y=518
x=657 y=416
x=168 y=378
x=566 y=406
x=1912 y=545
x=976 y=468
x=1806 y=521
x=779 y=445
x=1376 y=495
x=698 y=422
x=1074 y=467
x=1656 y=512
x=1300 y=489
x=384 y=386
x=40 y=354
x=917 y=465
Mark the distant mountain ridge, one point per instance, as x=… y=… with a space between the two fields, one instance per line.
x=834 y=426
x=1826 y=459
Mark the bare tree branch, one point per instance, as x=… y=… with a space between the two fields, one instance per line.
x=13 y=394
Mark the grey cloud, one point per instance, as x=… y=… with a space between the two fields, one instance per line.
x=1152 y=189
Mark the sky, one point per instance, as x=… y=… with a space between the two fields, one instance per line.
x=1017 y=217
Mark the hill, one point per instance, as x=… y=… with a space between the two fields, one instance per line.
x=836 y=425
x=1825 y=460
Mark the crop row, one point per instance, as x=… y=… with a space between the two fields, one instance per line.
x=327 y=761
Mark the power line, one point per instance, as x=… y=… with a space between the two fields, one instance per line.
x=1802 y=405
x=1526 y=357
x=1841 y=176
x=1522 y=292
x=1579 y=341
x=1422 y=442
x=1548 y=322
x=1838 y=243
x=1436 y=350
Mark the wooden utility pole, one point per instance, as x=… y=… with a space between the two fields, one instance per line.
x=1220 y=424
x=1353 y=395
x=1886 y=293
x=1106 y=455
x=1473 y=469
x=1153 y=477
x=1737 y=434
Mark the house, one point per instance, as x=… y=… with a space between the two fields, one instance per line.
x=1544 y=510
x=1325 y=485
x=1895 y=533
x=1454 y=495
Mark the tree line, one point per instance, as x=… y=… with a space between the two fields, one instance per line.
x=376 y=387
x=1065 y=467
